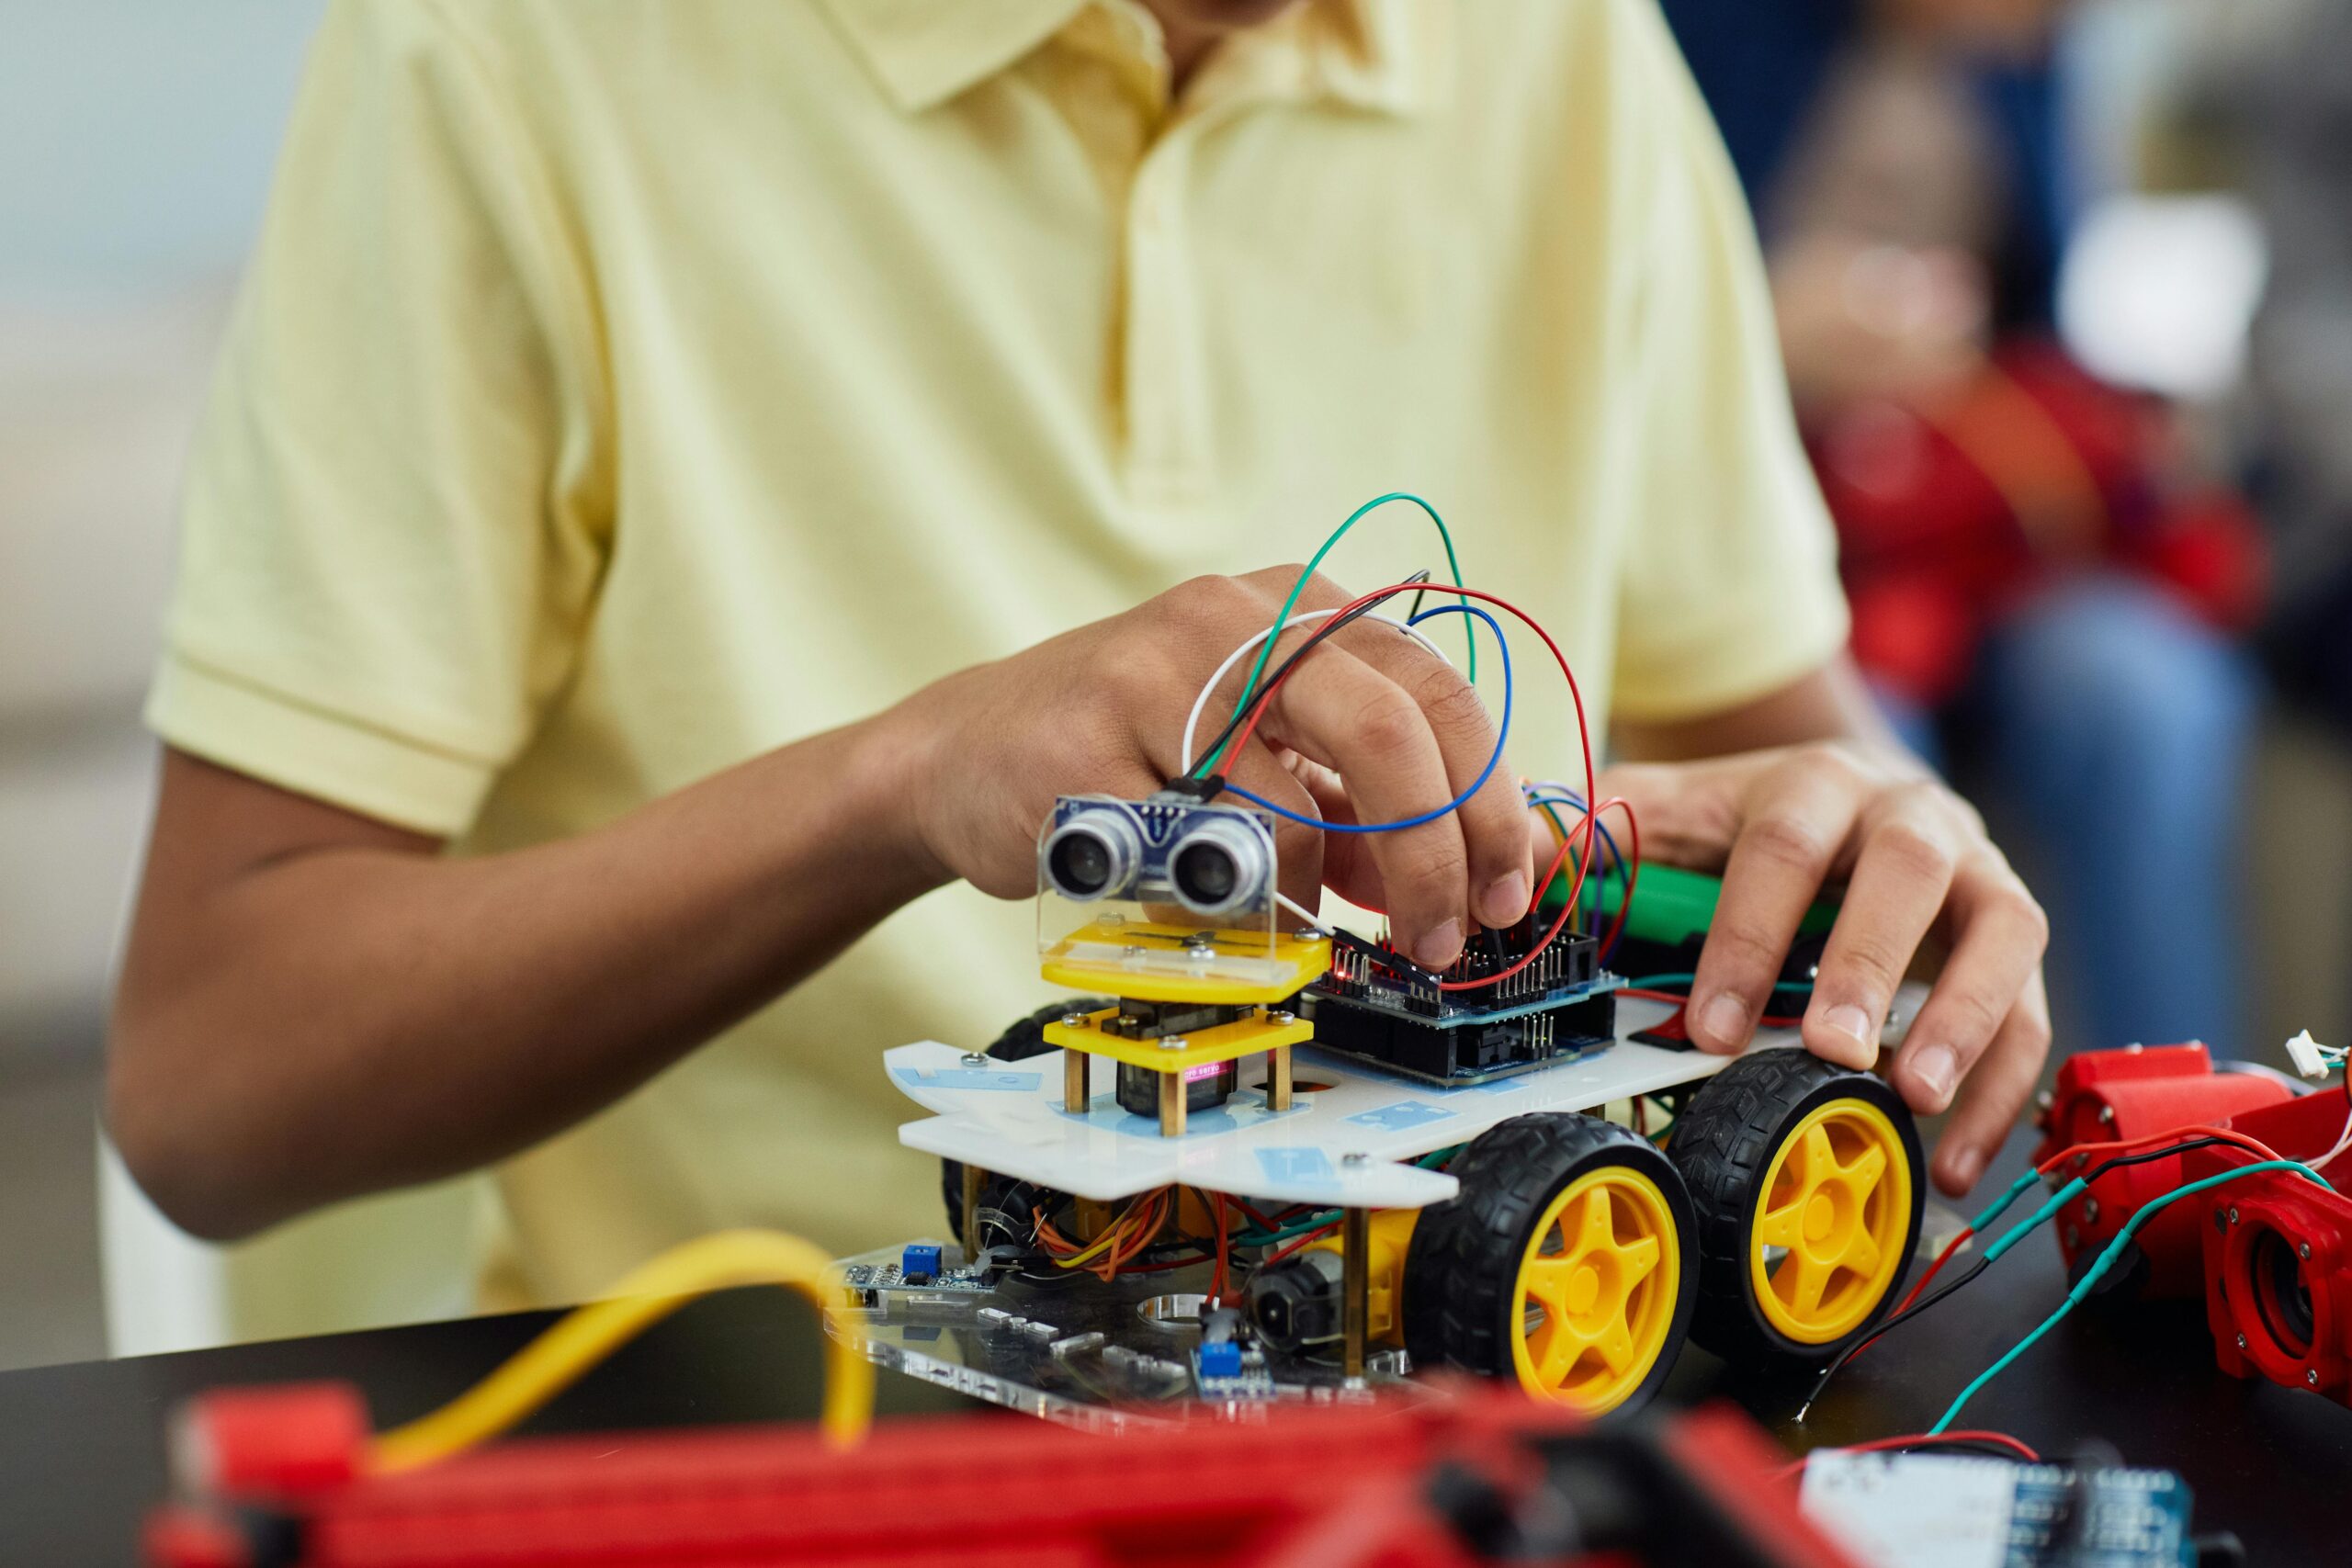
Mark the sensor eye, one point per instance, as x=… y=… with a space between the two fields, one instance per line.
x=1219 y=866
x=1205 y=874
x=1093 y=853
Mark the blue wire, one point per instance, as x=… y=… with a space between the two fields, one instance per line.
x=1616 y=857
x=1502 y=734
x=2099 y=1266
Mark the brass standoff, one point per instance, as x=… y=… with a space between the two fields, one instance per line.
x=1355 y=1289
x=972 y=1174
x=1278 y=1078
x=1075 y=1095
x=1172 y=1092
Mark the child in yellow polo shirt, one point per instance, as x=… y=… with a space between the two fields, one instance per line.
x=688 y=484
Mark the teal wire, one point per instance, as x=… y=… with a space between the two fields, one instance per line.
x=2099 y=1266
x=1265 y=650
x=1658 y=982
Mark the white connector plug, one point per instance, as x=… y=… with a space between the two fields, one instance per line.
x=2311 y=1058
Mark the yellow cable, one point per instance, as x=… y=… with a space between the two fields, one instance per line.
x=582 y=1339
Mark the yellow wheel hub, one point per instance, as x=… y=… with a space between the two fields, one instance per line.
x=1832 y=1219
x=1594 y=1304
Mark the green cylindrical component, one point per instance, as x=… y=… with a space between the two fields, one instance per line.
x=1671 y=906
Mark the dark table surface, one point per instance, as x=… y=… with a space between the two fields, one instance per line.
x=81 y=1446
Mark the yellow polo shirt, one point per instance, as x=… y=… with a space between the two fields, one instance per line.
x=624 y=387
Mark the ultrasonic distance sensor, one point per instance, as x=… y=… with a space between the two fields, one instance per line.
x=1219 y=866
x=1093 y=853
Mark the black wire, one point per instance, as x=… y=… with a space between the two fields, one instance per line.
x=1257 y=692
x=1916 y=1308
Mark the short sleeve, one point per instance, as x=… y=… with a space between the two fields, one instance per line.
x=1729 y=587
x=395 y=513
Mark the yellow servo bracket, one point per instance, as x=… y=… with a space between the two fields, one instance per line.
x=1223 y=1043
x=1134 y=959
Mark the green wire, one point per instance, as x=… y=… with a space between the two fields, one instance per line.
x=1266 y=650
x=1295 y=1228
x=2099 y=1266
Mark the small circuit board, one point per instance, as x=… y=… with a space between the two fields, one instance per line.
x=1952 y=1511
x=1253 y=1381
x=1473 y=1023
x=920 y=1266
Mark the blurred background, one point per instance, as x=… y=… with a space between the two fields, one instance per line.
x=2066 y=293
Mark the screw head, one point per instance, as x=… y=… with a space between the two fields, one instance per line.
x=976 y=1058
x=2311 y=1376
x=2074 y=1237
x=2107 y=1116
x=2233 y=1214
x=2304 y=1251
x=2081 y=1160
x=1172 y=1043
x=2090 y=1210
x=1310 y=933
x=1073 y=1021
x=1282 y=1018
x=1353 y=1156
x=2241 y=1342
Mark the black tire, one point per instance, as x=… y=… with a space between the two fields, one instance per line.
x=1023 y=1038
x=1724 y=1145
x=1462 y=1268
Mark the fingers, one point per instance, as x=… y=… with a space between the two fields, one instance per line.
x=1999 y=934
x=1996 y=1093
x=1298 y=849
x=1348 y=866
x=1375 y=708
x=1795 y=820
x=1494 y=820
x=1342 y=713
x=1909 y=843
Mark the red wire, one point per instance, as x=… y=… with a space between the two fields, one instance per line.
x=1310 y=1237
x=1256 y=1218
x=1951 y=1248
x=1921 y=1440
x=1584 y=739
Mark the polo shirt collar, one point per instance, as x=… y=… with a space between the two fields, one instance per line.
x=1362 y=52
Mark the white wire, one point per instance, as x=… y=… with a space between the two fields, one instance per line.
x=1192 y=719
x=2344 y=1142
x=1307 y=918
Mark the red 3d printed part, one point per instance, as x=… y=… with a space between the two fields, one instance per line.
x=2271 y=1252
x=2103 y=1097
x=1486 y=1475
x=2277 y=1252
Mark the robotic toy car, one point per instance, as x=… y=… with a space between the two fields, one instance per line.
x=1281 y=1161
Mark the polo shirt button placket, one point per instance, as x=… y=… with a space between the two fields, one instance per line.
x=1167 y=460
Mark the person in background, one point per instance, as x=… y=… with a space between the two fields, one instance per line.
x=2274 y=79
x=2045 y=593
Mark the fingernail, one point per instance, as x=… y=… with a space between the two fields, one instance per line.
x=1966 y=1167
x=1723 y=1020
x=1438 y=946
x=1938 y=1067
x=1506 y=901
x=1848 y=1020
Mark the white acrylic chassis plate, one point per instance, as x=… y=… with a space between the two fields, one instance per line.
x=1338 y=1146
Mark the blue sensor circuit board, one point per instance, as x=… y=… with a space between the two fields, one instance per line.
x=1911 y=1510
